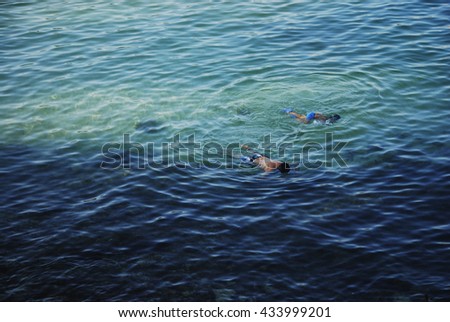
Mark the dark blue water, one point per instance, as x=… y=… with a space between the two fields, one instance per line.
x=76 y=76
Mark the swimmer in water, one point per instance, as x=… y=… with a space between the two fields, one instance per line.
x=311 y=116
x=264 y=162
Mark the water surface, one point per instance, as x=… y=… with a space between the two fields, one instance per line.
x=76 y=75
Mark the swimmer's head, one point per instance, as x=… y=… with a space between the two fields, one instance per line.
x=284 y=167
x=334 y=118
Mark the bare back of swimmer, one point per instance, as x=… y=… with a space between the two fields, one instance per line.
x=264 y=162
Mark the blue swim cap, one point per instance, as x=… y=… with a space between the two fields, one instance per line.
x=310 y=116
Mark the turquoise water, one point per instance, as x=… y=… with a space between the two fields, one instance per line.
x=78 y=75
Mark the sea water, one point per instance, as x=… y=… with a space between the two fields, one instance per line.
x=82 y=218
